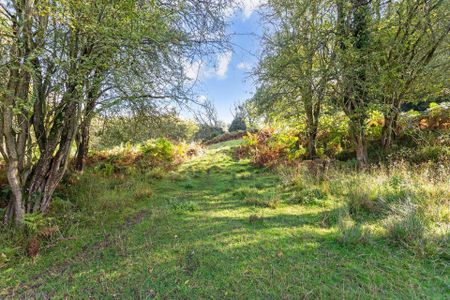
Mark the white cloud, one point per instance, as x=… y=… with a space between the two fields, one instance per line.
x=223 y=61
x=249 y=6
x=244 y=66
x=192 y=70
x=201 y=70
x=246 y=7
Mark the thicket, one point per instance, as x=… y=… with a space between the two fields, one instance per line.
x=63 y=62
x=108 y=132
x=151 y=154
x=350 y=66
x=150 y=160
x=423 y=137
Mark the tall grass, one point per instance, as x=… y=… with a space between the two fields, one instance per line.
x=408 y=205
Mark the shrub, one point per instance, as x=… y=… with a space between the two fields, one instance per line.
x=111 y=132
x=308 y=195
x=434 y=153
x=158 y=151
x=267 y=148
x=206 y=132
x=362 y=200
x=238 y=124
x=34 y=223
x=107 y=169
x=405 y=225
x=334 y=216
x=351 y=233
x=375 y=192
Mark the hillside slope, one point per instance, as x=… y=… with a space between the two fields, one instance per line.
x=215 y=228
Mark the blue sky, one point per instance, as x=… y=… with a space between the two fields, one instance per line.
x=226 y=79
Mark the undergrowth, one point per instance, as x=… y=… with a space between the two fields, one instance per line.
x=406 y=205
x=219 y=227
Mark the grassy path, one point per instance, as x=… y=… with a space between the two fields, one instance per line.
x=201 y=236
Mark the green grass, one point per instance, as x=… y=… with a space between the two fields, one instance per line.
x=193 y=235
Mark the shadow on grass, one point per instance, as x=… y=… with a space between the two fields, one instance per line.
x=215 y=250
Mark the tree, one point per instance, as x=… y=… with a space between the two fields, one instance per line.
x=149 y=73
x=354 y=57
x=412 y=55
x=111 y=129
x=238 y=122
x=209 y=125
x=362 y=55
x=297 y=67
x=58 y=56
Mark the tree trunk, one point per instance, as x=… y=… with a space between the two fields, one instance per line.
x=359 y=137
x=388 y=133
x=82 y=146
x=9 y=213
x=92 y=94
x=312 y=138
x=52 y=164
x=361 y=152
x=16 y=203
x=15 y=126
x=389 y=128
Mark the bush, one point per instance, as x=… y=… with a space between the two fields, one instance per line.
x=361 y=199
x=112 y=132
x=432 y=153
x=351 y=233
x=206 y=133
x=158 y=151
x=267 y=148
x=309 y=195
x=405 y=225
x=238 y=124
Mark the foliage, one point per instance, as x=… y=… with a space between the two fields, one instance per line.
x=238 y=124
x=63 y=61
x=268 y=147
x=404 y=225
x=160 y=150
x=152 y=154
x=111 y=132
x=227 y=136
x=415 y=144
x=207 y=132
x=363 y=59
